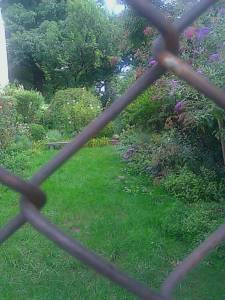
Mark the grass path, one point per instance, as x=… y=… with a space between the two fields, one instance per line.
x=109 y=212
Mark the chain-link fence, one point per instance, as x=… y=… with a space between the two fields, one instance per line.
x=33 y=199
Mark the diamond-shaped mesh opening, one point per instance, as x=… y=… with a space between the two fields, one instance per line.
x=32 y=198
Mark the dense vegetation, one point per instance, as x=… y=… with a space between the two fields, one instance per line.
x=69 y=60
x=57 y=44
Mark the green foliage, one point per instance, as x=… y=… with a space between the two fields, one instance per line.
x=53 y=135
x=8 y=121
x=22 y=143
x=37 y=132
x=133 y=31
x=57 y=44
x=72 y=109
x=19 y=18
x=183 y=147
x=98 y=142
x=121 y=82
x=16 y=160
x=16 y=156
x=144 y=112
x=163 y=156
x=107 y=131
x=28 y=104
x=157 y=153
x=190 y=187
x=192 y=223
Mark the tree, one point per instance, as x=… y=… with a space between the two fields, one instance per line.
x=57 y=44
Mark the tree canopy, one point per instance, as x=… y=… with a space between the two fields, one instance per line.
x=56 y=44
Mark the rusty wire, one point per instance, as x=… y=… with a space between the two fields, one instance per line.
x=33 y=199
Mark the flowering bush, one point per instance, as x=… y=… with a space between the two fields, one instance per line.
x=71 y=110
x=148 y=31
x=144 y=112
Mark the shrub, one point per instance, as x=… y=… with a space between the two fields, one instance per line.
x=15 y=161
x=28 y=104
x=192 y=223
x=108 y=131
x=72 y=109
x=37 y=132
x=98 y=142
x=190 y=187
x=144 y=112
x=21 y=144
x=54 y=135
x=8 y=120
x=156 y=153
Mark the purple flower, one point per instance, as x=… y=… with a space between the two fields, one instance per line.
x=152 y=62
x=199 y=71
x=179 y=107
x=202 y=32
x=221 y=11
x=174 y=83
x=129 y=153
x=196 y=51
x=214 y=57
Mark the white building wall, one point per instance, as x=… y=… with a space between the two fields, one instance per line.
x=4 y=80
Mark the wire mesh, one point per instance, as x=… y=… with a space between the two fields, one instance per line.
x=33 y=199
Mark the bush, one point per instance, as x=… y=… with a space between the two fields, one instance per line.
x=98 y=142
x=22 y=143
x=54 y=136
x=28 y=104
x=8 y=121
x=149 y=111
x=192 y=223
x=108 y=131
x=37 y=132
x=141 y=113
x=190 y=187
x=15 y=161
x=72 y=109
x=156 y=154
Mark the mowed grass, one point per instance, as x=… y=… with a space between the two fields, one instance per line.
x=110 y=212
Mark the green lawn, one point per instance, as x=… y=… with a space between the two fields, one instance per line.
x=115 y=216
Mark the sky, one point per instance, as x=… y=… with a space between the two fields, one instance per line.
x=113 y=6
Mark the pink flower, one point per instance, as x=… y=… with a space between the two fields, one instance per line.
x=152 y=62
x=190 y=32
x=147 y=31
